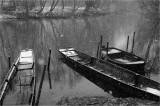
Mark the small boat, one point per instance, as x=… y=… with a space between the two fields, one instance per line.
x=121 y=79
x=124 y=59
x=21 y=77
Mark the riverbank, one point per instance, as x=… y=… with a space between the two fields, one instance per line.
x=57 y=13
x=6 y=16
x=103 y=101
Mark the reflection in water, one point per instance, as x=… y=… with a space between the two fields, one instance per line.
x=82 y=34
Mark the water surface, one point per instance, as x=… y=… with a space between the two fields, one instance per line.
x=83 y=34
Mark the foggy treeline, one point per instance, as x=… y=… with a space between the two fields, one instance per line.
x=12 y=5
x=27 y=5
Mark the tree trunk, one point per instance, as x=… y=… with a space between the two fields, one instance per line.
x=54 y=5
x=42 y=4
x=41 y=9
x=2 y=2
x=27 y=7
x=74 y=6
x=88 y=4
x=62 y=4
x=51 y=9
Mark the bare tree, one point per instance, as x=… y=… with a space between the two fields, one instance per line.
x=54 y=4
x=150 y=8
x=75 y=6
x=2 y=2
x=62 y=4
x=42 y=5
x=28 y=5
x=8 y=8
x=92 y=4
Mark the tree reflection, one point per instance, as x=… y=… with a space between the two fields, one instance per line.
x=149 y=34
x=40 y=35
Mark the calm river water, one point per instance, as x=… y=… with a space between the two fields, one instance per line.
x=83 y=34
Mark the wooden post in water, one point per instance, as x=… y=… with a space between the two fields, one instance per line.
x=100 y=46
x=40 y=86
x=9 y=62
x=133 y=42
x=48 y=69
x=20 y=83
x=107 y=49
x=98 y=50
x=127 y=43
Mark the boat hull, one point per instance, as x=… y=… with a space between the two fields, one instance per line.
x=137 y=68
x=130 y=61
x=22 y=80
x=114 y=84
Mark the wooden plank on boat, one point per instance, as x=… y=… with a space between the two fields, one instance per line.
x=69 y=49
x=112 y=51
x=25 y=53
x=152 y=90
x=26 y=60
x=26 y=57
x=76 y=58
x=25 y=67
x=136 y=62
x=70 y=53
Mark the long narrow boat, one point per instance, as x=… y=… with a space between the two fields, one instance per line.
x=123 y=80
x=21 y=77
x=124 y=59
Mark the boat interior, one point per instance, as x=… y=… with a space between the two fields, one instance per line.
x=113 y=71
x=23 y=81
x=122 y=56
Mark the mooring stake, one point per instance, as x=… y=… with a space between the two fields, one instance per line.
x=48 y=69
x=127 y=43
x=100 y=46
x=9 y=62
x=107 y=48
x=98 y=50
x=133 y=42
x=20 y=83
x=40 y=86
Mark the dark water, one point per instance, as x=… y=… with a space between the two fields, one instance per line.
x=82 y=34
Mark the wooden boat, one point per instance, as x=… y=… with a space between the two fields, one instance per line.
x=124 y=59
x=21 y=77
x=123 y=80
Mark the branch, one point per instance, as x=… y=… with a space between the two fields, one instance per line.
x=54 y=6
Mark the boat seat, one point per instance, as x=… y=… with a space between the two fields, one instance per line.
x=28 y=75
x=136 y=62
x=26 y=84
x=84 y=62
x=25 y=67
x=69 y=49
x=132 y=84
x=70 y=53
x=101 y=70
x=76 y=58
x=26 y=60
x=119 y=79
x=113 y=51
